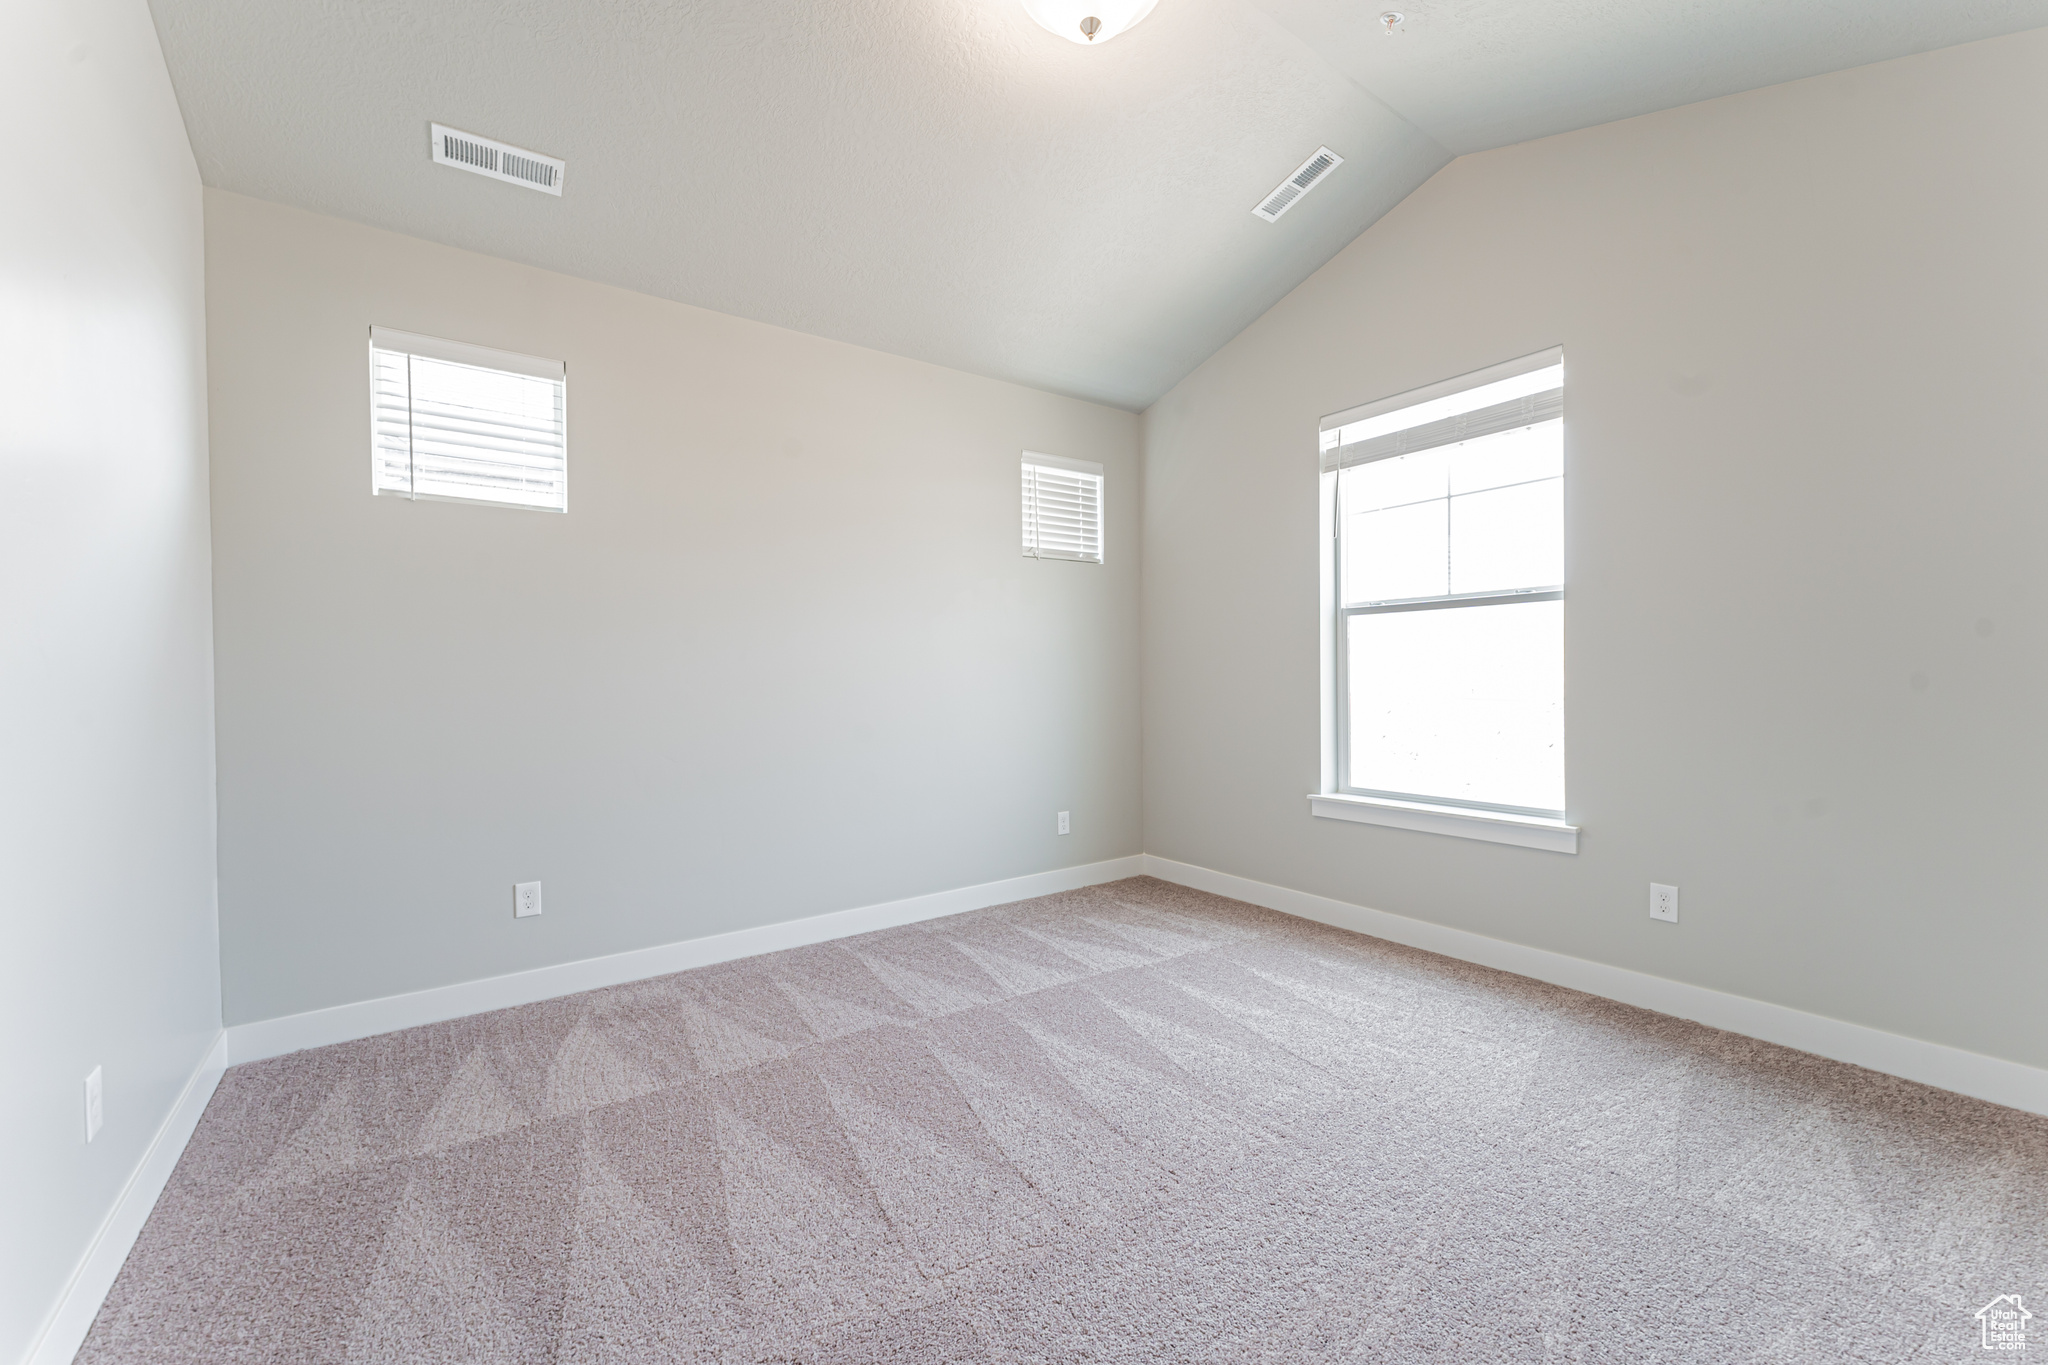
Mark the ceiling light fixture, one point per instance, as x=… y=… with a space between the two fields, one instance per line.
x=1090 y=23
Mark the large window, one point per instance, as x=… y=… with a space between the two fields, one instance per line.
x=1447 y=588
x=461 y=423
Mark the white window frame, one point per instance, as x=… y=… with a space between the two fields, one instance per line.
x=1337 y=799
x=1087 y=469
x=481 y=357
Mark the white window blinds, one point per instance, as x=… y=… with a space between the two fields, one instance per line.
x=465 y=423
x=1062 y=508
x=1507 y=397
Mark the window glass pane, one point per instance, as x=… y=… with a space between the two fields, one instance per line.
x=1400 y=552
x=1404 y=478
x=1465 y=703
x=1508 y=538
x=1508 y=457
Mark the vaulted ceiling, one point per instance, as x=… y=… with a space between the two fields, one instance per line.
x=943 y=179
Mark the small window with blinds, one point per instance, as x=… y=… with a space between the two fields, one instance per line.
x=459 y=423
x=1447 y=587
x=1062 y=508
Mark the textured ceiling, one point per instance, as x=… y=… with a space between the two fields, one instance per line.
x=942 y=178
x=1474 y=74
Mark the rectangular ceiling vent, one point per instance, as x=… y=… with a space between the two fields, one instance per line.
x=1309 y=175
x=499 y=161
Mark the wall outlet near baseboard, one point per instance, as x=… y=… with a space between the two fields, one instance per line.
x=92 y=1105
x=525 y=900
x=1664 y=902
x=1064 y=829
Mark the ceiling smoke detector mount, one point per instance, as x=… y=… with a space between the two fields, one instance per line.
x=498 y=160
x=1091 y=23
x=1306 y=177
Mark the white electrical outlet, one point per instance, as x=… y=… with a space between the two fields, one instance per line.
x=525 y=900
x=92 y=1105
x=1663 y=902
x=1063 y=824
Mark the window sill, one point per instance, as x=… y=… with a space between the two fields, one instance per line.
x=1526 y=831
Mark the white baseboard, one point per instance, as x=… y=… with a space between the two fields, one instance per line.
x=1950 y=1068
x=64 y=1331
x=1969 y=1073
x=342 y=1023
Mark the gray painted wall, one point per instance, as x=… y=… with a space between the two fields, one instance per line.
x=106 y=706
x=781 y=657
x=1804 y=337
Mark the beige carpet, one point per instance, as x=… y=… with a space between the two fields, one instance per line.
x=1132 y=1123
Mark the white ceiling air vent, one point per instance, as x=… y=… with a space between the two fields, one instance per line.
x=468 y=152
x=1307 y=177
